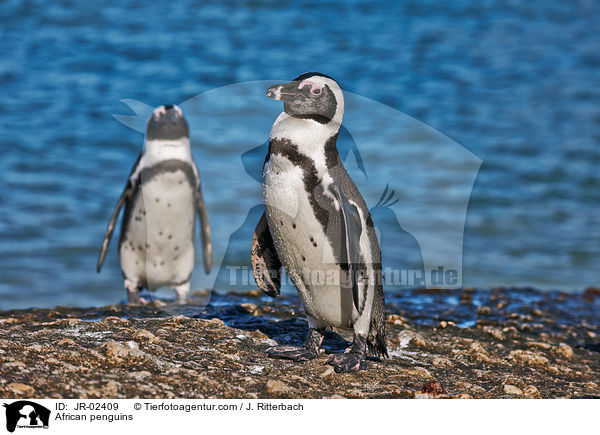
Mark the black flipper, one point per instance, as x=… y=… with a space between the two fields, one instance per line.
x=204 y=230
x=125 y=195
x=351 y=232
x=266 y=264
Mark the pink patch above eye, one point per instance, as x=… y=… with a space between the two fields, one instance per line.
x=158 y=111
x=315 y=89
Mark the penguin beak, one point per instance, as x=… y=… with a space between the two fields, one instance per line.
x=284 y=91
x=167 y=112
x=173 y=113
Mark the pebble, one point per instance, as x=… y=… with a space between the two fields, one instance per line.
x=139 y=376
x=484 y=311
x=494 y=332
x=403 y=394
x=512 y=389
x=479 y=353
x=117 y=350
x=418 y=371
x=115 y=320
x=404 y=338
x=20 y=389
x=327 y=372
x=539 y=345
x=278 y=387
x=144 y=335
x=418 y=341
x=532 y=392
x=471 y=387
x=66 y=342
x=442 y=362
x=527 y=357
x=564 y=350
x=433 y=387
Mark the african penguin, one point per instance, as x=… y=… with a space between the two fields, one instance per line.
x=316 y=224
x=161 y=198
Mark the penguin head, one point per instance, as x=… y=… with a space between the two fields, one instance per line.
x=167 y=122
x=311 y=95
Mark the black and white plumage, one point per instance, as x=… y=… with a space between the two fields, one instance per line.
x=162 y=197
x=317 y=225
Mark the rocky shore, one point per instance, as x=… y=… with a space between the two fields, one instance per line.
x=501 y=343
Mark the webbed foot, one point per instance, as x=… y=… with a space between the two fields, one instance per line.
x=306 y=352
x=294 y=353
x=353 y=359
x=133 y=295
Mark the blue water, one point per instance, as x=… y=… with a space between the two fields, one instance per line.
x=515 y=84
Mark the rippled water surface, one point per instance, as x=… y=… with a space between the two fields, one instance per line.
x=514 y=84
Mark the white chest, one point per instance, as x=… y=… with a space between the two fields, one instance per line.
x=158 y=246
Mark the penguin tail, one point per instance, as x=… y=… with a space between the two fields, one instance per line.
x=376 y=338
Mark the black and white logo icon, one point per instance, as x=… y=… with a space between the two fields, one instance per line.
x=25 y=414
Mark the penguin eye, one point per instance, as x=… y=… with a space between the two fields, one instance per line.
x=315 y=91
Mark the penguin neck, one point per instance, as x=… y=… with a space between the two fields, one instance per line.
x=158 y=150
x=313 y=139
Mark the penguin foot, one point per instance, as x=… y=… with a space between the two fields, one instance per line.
x=347 y=362
x=293 y=353
x=353 y=359
x=137 y=301
x=133 y=298
x=181 y=293
x=306 y=352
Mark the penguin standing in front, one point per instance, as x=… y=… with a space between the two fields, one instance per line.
x=316 y=224
x=161 y=198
